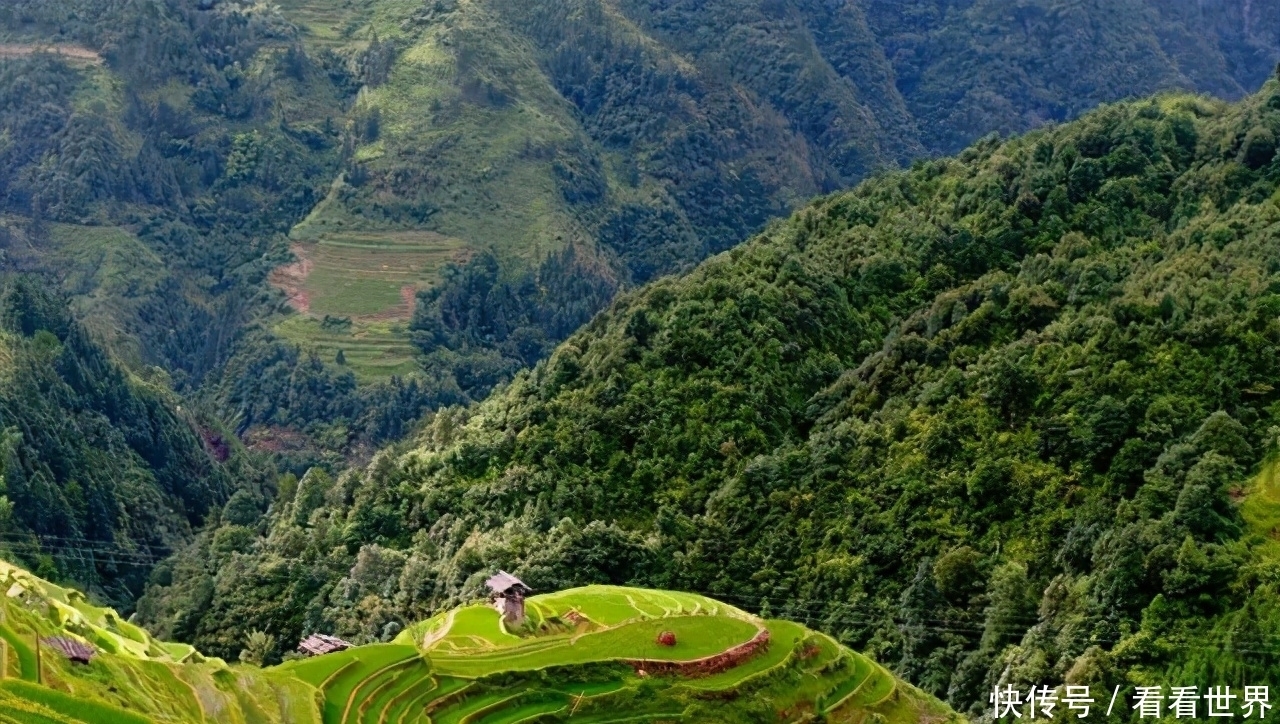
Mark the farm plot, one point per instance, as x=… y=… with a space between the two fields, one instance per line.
x=696 y=637
x=371 y=350
x=364 y=275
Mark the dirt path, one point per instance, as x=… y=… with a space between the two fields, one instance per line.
x=75 y=52
x=433 y=637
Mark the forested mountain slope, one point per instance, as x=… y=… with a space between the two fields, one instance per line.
x=1003 y=415
x=101 y=474
x=655 y=134
x=443 y=190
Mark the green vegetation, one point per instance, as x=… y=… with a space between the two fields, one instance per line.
x=471 y=669
x=101 y=474
x=525 y=160
x=372 y=351
x=371 y=274
x=67 y=707
x=467 y=669
x=134 y=678
x=991 y=418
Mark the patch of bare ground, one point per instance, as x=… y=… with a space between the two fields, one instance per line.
x=291 y=279
x=275 y=439
x=71 y=52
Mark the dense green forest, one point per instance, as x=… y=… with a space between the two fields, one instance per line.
x=101 y=473
x=534 y=157
x=154 y=188
x=1002 y=417
x=901 y=415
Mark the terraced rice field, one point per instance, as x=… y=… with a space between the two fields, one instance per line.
x=613 y=605
x=697 y=637
x=364 y=275
x=372 y=350
x=465 y=667
x=324 y=24
x=785 y=638
x=355 y=293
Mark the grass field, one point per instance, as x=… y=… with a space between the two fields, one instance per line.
x=1261 y=509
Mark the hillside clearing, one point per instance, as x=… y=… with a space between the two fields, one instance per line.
x=70 y=52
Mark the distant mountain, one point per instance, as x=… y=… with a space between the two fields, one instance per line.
x=1006 y=417
x=443 y=190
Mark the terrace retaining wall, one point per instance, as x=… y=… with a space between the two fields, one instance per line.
x=707 y=666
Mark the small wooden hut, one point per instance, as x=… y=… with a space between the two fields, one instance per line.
x=507 y=595
x=320 y=644
x=74 y=649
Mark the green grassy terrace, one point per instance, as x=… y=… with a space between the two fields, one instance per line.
x=579 y=657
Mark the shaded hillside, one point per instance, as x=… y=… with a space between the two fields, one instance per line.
x=992 y=416
x=101 y=475
x=163 y=163
x=965 y=68
x=155 y=185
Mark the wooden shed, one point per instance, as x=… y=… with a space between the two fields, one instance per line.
x=320 y=644
x=507 y=594
x=74 y=649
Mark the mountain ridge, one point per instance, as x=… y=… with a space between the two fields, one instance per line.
x=1022 y=391
x=516 y=163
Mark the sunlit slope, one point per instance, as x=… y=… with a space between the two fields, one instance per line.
x=591 y=654
x=133 y=679
x=585 y=655
x=1260 y=510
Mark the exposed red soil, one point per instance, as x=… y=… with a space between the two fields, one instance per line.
x=290 y=279
x=808 y=652
x=707 y=666
x=215 y=444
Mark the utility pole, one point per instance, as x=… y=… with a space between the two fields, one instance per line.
x=39 y=661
